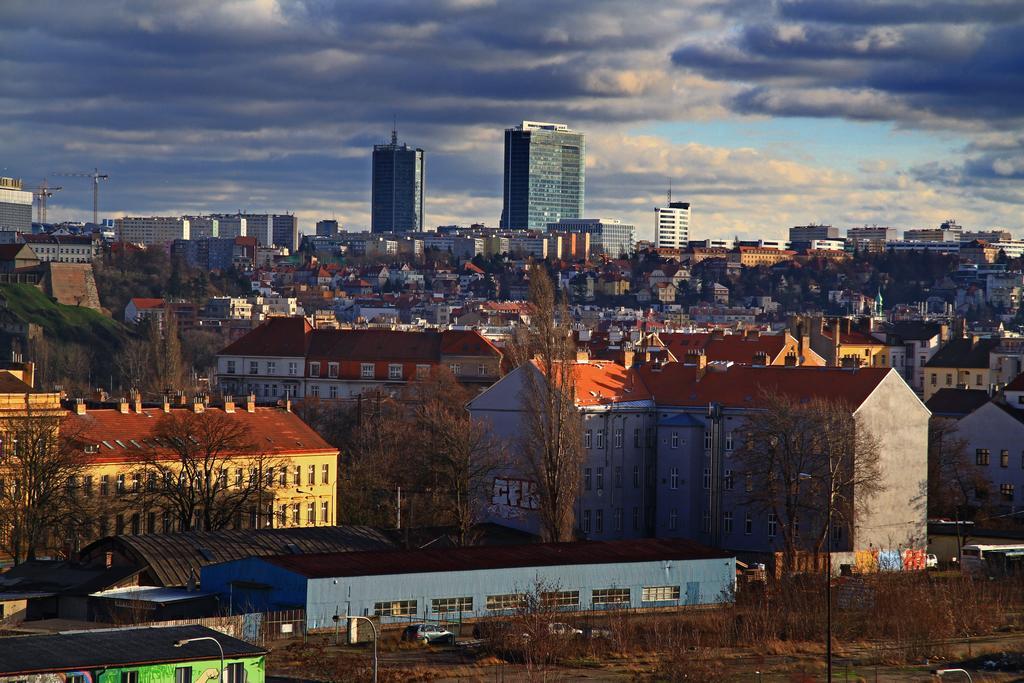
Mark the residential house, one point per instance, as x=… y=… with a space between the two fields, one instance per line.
x=752 y=347
x=962 y=362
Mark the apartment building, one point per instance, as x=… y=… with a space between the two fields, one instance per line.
x=286 y=356
x=151 y=230
x=63 y=248
x=659 y=440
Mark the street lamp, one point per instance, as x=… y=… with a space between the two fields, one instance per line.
x=940 y=672
x=186 y=641
x=351 y=619
x=828 y=574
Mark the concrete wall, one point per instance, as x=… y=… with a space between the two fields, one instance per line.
x=897 y=517
x=700 y=581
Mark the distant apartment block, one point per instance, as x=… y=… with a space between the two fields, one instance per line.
x=672 y=225
x=608 y=236
x=806 y=233
x=285 y=231
x=15 y=206
x=545 y=167
x=152 y=230
x=870 y=238
x=399 y=185
x=327 y=228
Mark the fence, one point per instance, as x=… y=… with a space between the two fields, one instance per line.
x=257 y=628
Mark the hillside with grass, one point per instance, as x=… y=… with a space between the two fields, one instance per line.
x=60 y=323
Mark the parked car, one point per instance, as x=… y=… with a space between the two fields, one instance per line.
x=427 y=633
x=931 y=562
x=559 y=629
x=596 y=632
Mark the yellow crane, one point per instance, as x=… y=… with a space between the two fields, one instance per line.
x=96 y=178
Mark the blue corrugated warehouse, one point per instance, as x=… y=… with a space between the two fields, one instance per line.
x=477 y=581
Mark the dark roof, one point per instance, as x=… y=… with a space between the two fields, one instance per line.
x=956 y=402
x=493 y=557
x=963 y=353
x=913 y=330
x=9 y=384
x=60 y=576
x=172 y=558
x=276 y=337
x=105 y=648
x=1016 y=384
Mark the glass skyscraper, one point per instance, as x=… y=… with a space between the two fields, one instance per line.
x=544 y=175
x=398 y=186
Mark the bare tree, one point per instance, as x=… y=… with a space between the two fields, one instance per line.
x=551 y=444
x=952 y=479
x=459 y=454
x=167 y=368
x=38 y=470
x=804 y=459
x=205 y=470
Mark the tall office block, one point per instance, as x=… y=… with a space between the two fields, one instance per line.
x=15 y=206
x=608 y=236
x=544 y=175
x=285 y=231
x=672 y=225
x=399 y=182
x=327 y=228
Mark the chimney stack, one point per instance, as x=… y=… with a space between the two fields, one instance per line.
x=136 y=400
x=122 y=405
x=582 y=355
x=288 y=404
x=229 y=404
x=761 y=358
x=627 y=358
x=79 y=406
x=166 y=404
x=790 y=360
x=198 y=405
x=250 y=403
x=851 y=362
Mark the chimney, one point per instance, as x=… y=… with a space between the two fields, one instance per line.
x=753 y=335
x=79 y=406
x=582 y=355
x=229 y=404
x=28 y=373
x=790 y=360
x=198 y=405
x=288 y=404
x=851 y=362
x=250 y=403
x=717 y=333
x=136 y=400
x=627 y=358
x=182 y=398
x=100 y=395
x=166 y=405
x=122 y=405
x=836 y=360
x=761 y=358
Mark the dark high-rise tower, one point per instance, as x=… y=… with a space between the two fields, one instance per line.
x=544 y=175
x=398 y=187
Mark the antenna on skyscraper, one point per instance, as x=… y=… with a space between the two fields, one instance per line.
x=394 y=129
x=669 y=190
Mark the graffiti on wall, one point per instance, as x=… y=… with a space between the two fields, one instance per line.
x=510 y=498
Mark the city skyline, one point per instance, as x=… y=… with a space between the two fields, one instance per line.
x=894 y=113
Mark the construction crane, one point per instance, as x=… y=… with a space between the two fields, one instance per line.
x=41 y=194
x=96 y=178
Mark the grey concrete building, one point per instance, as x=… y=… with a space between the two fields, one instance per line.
x=399 y=185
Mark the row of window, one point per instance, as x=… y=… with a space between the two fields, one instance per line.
x=978 y=379
x=1006 y=491
x=982 y=457
x=366 y=370
x=508 y=601
x=595 y=439
x=285 y=516
x=233 y=673
x=748 y=524
x=122 y=484
x=597 y=517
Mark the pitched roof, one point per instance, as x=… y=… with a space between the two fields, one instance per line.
x=170 y=559
x=1016 y=384
x=603 y=383
x=737 y=348
x=278 y=336
x=741 y=386
x=114 y=647
x=397 y=345
x=127 y=437
x=141 y=302
x=956 y=402
x=963 y=353
x=494 y=557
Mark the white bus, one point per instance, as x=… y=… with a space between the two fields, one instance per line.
x=992 y=560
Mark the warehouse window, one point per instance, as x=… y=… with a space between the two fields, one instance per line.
x=235 y=673
x=505 y=602
x=395 y=608
x=560 y=599
x=609 y=596
x=183 y=674
x=659 y=593
x=442 y=605
x=129 y=677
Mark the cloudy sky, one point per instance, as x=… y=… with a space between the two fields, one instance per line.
x=765 y=114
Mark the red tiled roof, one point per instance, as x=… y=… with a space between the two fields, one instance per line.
x=731 y=347
x=741 y=385
x=147 y=303
x=605 y=382
x=278 y=336
x=1017 y=384
x=273 y=431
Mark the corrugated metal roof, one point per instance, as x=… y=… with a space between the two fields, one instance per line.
x=377 y=563
x=173 y=558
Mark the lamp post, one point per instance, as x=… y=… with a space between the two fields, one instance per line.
x=186 y=641
x=373 y=626
x=940 y=672
x=828 y=573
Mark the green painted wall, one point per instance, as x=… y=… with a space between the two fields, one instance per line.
x=202 y=671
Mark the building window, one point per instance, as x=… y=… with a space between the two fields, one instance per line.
x=282 y=515
x=295 y=514
x=332 y=370
x=705 y=521
x=600 y=478
x=748 y=524
x=455 y=368
x=560 y=599
x=395 y=608
x=707 y=479
x=659 y=593
x=325 y=512
x=254 y=367
x=707 y=441
x=271 y=367
x=617 y=519
x=599 y=439
x=395 y=371
x=728 y=481
x=120 y=484
x=977 y=381
x=586 y=439
x=231 y=367
x=636 y=474
x=673 y=478
x=422 y=371
x=728 y=441
x=325 y=474
x=618 y=438
x=235 y=673
x=586 y=521
x=1006 y=491
x=183 y=674
x=332 y=391
x=314 y=369
x=949 y=379
x=312 y=475
x=675 y=440
x=1004 y=458
x=481 y=370
x=293 y=368
x=506 y=601
x=727 y=522
x=981 y=456
x=129 y=677
x=618 y=476
x=609 y=596
x=366 y=370
x=773 y=525
x=586 y=478
x=298 y=475
x=314 y=390
x=636 y=438
x=599 y=521
x=444 y=605
x=673 y=519
x=636 y=518
x=283 y=480
x=311 y=513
